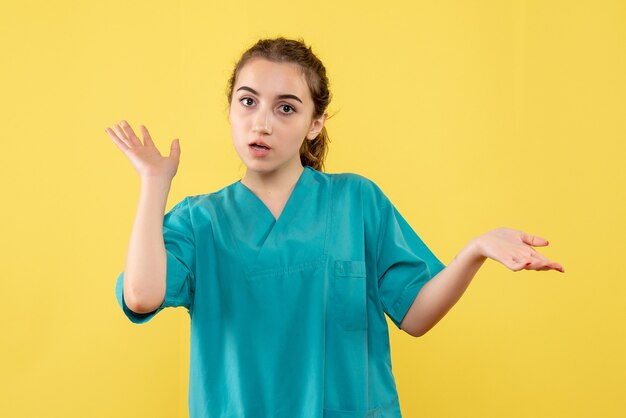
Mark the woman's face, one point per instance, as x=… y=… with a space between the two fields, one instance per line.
x=271 y=113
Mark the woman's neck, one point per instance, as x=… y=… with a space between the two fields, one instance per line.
x=276 y=182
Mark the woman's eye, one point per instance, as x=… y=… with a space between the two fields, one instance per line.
x=287 y=108
x=246 y=101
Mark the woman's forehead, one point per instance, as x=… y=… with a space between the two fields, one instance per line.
x=272 y=78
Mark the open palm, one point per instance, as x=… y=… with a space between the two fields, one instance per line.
x=146 y=158
x=515 y=250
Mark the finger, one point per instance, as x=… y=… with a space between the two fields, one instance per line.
x=534 y=240
x=535 y=254
x=112 y=133
x=559 y=267
x=175 y=149
x=120 y=144
x=517 y=264
x=551 y=264
x=554 y=266
x=121 y=135
x=147 y=139
x=130 y=134
x=525 y=264
x=534 y=264
x=543 y=265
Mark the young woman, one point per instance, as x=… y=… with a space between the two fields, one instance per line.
x=287 y=273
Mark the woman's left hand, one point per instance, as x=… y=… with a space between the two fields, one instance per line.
x=515 y=250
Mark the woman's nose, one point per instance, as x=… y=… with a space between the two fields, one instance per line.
x=263 y=121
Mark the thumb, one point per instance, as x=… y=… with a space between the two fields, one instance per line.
x=533 y=240
x=175 y=149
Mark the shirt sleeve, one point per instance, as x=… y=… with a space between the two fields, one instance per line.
x=404 y=264
x=179 y=243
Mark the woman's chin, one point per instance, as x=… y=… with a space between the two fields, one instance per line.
x=260 y=167
x=263 y=166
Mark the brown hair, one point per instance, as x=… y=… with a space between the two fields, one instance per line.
x=282 y=50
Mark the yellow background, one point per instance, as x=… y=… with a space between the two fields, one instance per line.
x=470 y=115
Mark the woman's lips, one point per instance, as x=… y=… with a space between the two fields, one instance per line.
x=259 y=150
x=259 y=142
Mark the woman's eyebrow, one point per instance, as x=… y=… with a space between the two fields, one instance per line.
x=280 y=96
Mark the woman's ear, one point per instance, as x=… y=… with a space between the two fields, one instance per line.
x=316 y=127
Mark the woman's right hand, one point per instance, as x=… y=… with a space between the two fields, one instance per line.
x=145 y=157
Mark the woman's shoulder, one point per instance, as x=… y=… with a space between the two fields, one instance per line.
x=350 y=179
x=204 y=200
x=349 y=183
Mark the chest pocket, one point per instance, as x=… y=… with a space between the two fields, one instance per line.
x=350 y=294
